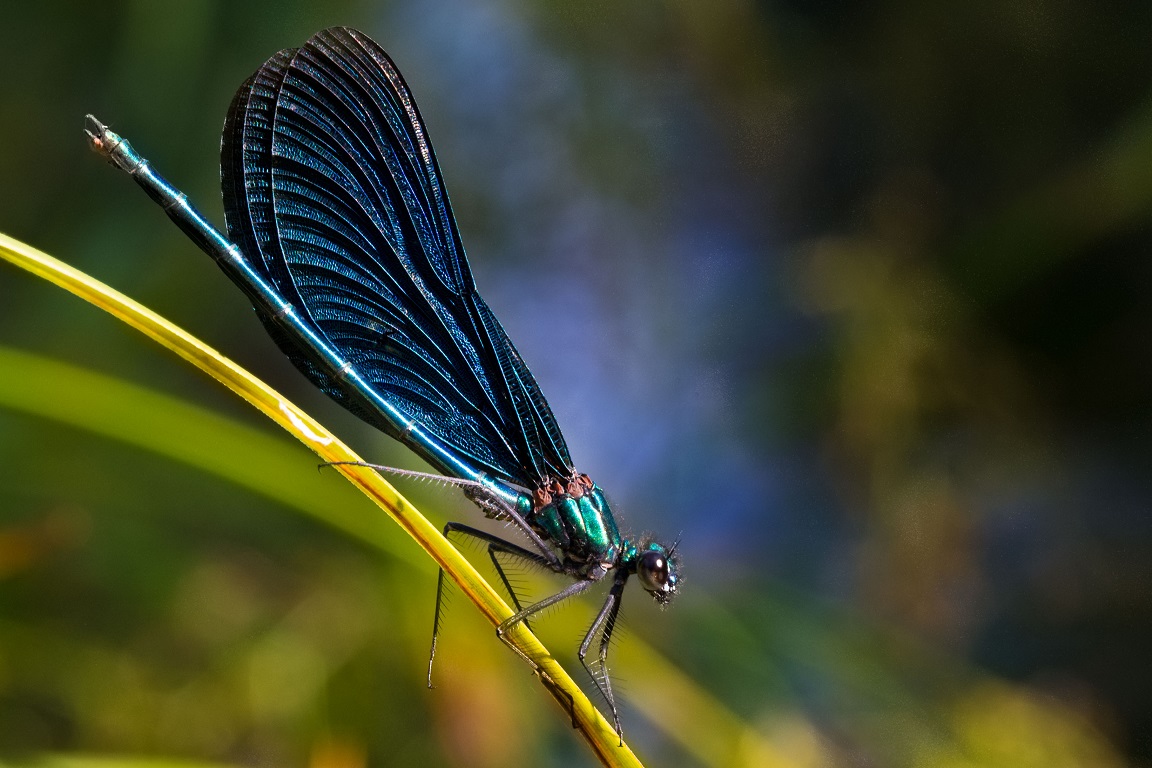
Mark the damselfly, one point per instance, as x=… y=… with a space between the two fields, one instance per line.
x=341 y=234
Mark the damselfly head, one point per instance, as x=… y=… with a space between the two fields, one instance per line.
x=657 y=570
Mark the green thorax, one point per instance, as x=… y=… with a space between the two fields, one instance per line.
x=582 y=527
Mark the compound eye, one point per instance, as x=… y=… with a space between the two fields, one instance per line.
x=653 y=571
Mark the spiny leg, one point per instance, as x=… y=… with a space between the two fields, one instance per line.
x=603 y=625
x=479 y=493
x=569 y=591
x=495 y=544
x=606 y=678
x=606 y=641
x=522 y=614
x=436 y=623
x=551 y=562
x=492 y=552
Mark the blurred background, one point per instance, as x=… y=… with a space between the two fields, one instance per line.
x=854 y=297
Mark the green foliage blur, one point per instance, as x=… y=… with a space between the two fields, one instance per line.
x=855 y=296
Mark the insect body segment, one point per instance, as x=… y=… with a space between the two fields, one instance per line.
x=583 y=527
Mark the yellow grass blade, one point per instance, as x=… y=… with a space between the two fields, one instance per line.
x=596 y=731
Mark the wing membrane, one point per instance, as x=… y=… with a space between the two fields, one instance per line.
x=332 y=190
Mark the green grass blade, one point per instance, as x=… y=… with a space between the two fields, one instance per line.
x=67 y=760
x=98 y=403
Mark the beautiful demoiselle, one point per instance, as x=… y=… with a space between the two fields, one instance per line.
x=341 y=234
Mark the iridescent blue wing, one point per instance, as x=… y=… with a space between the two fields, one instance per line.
x=332 y=190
